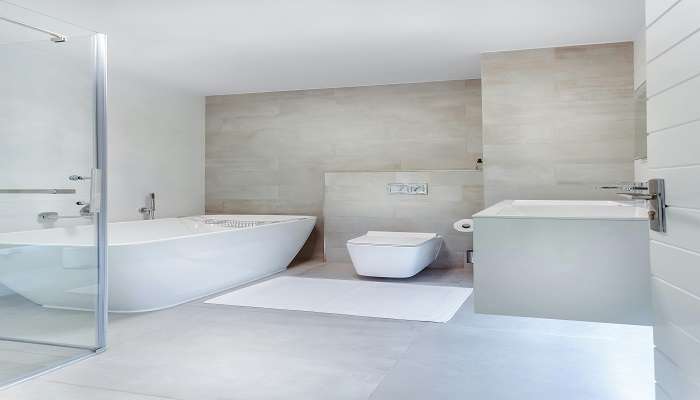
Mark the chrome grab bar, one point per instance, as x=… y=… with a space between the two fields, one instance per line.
x=37 y=191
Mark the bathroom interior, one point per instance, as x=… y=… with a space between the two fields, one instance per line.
x=350 y=200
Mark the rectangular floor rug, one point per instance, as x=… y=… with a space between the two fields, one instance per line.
x=362 y=298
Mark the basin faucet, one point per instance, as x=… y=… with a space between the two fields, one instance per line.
x=149 y=211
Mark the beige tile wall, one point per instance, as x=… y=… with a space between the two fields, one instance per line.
x=356 y=202
x=266 y=153
x=558 y=122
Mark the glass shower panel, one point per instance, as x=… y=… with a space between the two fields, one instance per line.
x=52 y=239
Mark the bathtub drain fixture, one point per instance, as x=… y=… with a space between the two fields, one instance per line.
x=234 y=223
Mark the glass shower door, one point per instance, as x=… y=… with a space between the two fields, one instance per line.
x=52 y=182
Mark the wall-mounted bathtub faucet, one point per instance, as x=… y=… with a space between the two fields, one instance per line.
x=149 y=212
x=49 y=217
x=653 y=193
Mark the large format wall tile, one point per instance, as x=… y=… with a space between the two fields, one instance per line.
x=558 y=122
x=267 y=152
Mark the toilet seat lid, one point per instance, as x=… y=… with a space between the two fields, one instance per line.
x=406 y=239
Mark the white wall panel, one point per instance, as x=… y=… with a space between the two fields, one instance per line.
x=675 y=306
x=677 y=24
x=682 y=348
x=674 y=107
x=674 y=385
x=680 y=63
x=675 y=147
x=673 y=120
x=683 y=226
x=682 y=186
x=655 y=8
x=679 y=267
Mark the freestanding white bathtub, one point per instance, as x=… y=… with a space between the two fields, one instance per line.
x=153 y=264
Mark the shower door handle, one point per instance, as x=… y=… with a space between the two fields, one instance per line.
x=95 y=204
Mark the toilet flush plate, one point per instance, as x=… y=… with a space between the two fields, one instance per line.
x=408 y=188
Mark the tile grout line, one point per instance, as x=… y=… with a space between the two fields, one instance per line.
x=403 y=354
x=85 y=386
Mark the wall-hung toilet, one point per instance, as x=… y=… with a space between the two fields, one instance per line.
x=393 y=254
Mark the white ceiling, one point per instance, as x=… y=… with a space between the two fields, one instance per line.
x=238 y=46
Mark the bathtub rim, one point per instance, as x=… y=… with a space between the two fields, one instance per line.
x=290 y=219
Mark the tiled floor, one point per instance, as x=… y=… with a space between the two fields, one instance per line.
x=20 y=318
x=22 y=359
x=204 y=351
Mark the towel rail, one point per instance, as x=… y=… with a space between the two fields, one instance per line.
x=37 y=191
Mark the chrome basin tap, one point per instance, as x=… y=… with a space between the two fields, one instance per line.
x=149 y=211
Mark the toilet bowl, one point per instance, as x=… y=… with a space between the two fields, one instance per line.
x=393 y=254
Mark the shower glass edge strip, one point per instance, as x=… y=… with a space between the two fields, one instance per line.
x=101 y=164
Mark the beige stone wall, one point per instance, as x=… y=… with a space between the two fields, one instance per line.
x=356 y=202
x=267 y=153
x=558 y=122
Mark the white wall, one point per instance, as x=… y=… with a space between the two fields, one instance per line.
x=673 y=109
x=46 y=127
x=156 y=137
x=156 y=144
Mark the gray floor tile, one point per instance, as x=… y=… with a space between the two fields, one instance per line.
x=465 y=363
x=21 y=359
x=207 y=351
x=231 y=351
x=20 y=318
x=43 y=390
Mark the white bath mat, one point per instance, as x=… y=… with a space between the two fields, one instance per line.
x=363 y=298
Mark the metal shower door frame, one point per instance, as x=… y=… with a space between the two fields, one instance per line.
x=100 y=164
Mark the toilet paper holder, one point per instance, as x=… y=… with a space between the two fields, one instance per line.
x=464 y=225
